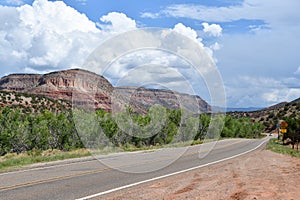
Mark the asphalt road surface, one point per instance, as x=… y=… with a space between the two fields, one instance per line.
x=107 y=173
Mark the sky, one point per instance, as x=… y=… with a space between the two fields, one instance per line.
x=253 y=43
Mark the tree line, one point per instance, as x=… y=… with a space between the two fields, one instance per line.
x=21 y=132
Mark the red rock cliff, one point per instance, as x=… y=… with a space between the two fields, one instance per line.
x=80 y=86
x=84 y=88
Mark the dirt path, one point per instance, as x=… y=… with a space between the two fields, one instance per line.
x=256 y=176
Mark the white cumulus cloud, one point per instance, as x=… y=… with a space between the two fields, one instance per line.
x=214 y=30
x=47 y=36
x=133 y=57
x=118 y=22
x=186 y=31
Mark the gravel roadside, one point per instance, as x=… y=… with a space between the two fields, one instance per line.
x=255 y=176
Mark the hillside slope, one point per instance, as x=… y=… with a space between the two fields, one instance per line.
x=272 y=115
x=31 y=103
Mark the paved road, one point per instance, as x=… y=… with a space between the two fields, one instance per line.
x=95 y=176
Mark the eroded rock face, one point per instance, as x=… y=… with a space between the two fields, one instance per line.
x=140 y=99
x=84 y=88
x=78 y=86
x=77 y=78
x=19 y=82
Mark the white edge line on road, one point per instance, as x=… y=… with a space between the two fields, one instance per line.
x=168 y=175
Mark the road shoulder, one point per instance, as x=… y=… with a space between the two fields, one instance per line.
x=258 y=175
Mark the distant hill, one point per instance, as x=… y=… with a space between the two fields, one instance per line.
x=229 y=109
x=249 y=109
x=84 y=88
x=272 y=115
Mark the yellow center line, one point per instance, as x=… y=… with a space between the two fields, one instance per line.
x=221 y=147
x=101 y=170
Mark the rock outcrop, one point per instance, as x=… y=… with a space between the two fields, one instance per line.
x=140 y=99
x=19 y=82
x=79 y=86
x=84 y=88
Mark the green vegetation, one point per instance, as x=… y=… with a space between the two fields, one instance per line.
x=242 y=128
x=175 y=127
x=21 y=132
x=291 y=139
x=35 y=128
x=13 y=160
x=277 y=146
x=65 y=131
x=293 y=131
x=293 y=124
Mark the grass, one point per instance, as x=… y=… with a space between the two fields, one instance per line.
x=15 y=161
x=130 y=147
x=277 y=147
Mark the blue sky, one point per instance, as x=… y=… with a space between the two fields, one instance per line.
x=254 y=43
